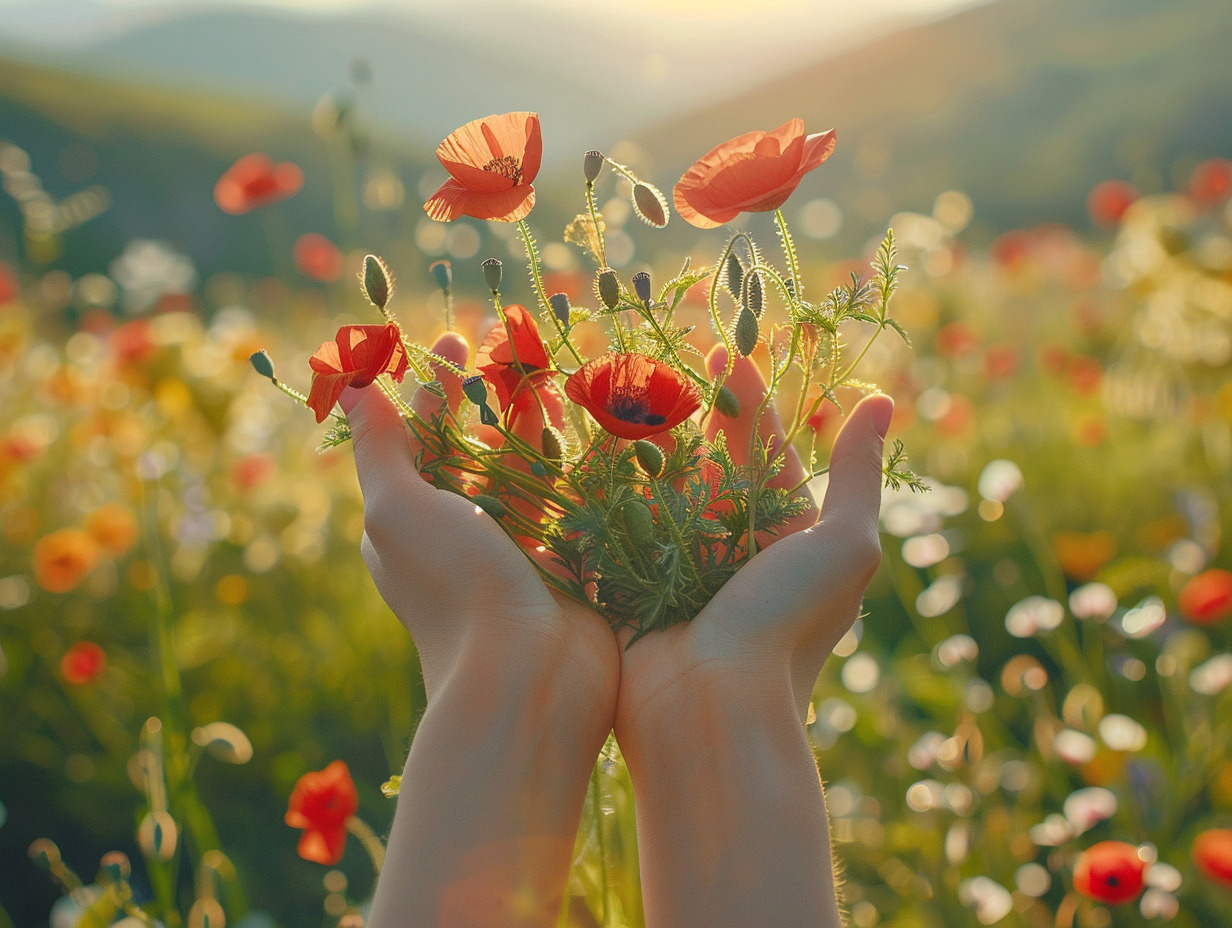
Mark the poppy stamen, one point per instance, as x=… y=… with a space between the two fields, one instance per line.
x=506 y=166
x=633 y=409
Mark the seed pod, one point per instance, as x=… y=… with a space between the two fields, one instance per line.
x=726 y=403
x=262 y=363
x=378 y=283
x=551 y=443
x=443 y=272
x=487 y=416
x=735 y=274
x=592 y=164
x=746 y=332
x=44 y=853
x=475 y=390
x=751 y=294
x=116 y=866
x=560 y=307
x=639 y=521
x=649 y=205
x=649 y=456
x=641 y=286
x=491 y=505
x=492 y=273
x=607 y=285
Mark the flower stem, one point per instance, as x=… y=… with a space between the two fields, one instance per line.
x=367 y=837
x=532 y=257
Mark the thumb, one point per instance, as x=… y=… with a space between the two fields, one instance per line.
x=853 y=496
x=384 y=459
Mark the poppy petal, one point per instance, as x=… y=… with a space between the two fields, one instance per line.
x=453 y=200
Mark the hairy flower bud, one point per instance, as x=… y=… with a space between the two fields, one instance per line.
x=650 y=205
x=491 y=505
x=639 y=521
x=725 y=402
x=492 y=273
x=751 y=294
x=443 y=272
x=262 y=363
x=553 y=447
x=475 y=390
x=649 y=456
x=592 y=164
x=746 y=331
x=641 y=286
x=608 y=287
x=378 y=283
x=560 y=307
x=735 y=274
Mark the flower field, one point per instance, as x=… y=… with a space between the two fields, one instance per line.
x=203 y=698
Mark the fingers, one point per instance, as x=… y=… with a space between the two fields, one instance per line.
x=384 y=458
x=453 y=348
x=853 y=496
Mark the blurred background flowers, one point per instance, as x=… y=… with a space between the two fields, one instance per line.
x=1031 y=725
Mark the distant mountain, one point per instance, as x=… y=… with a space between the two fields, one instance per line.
x=1022 y=104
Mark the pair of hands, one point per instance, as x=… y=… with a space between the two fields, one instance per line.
x=483 y=621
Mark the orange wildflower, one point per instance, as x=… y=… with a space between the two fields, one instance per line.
x=1212 y=855
x=1110 y=872
x=82 y=662
x=752 y=173
x=255 y=181
x=633 y=396
x=513 y=353
x=114 y=527
x=492 y=164
x=63 y=558
x=317 y=257
x=360 y=354
x=321 y=803
x=1207 y=598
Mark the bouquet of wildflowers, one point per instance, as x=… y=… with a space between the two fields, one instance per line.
x=631 y=476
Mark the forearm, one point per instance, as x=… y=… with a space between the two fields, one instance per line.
x=491 y=796
x=732 y=828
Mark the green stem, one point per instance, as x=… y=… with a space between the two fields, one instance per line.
x=532 y=257
x=596 y=220
x=596 y=802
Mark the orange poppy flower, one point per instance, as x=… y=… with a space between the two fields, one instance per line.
x=752 y=173
x=1207 y=598
x=317 y=257
x=633 y=396
x=255 y=181
x=512 y=353
x=114 y=527
x=82 y=662
x=359 y=355
x=492 y=164
x=1110 y=872
x=321 y=803
x=63 y=558
x=1212 y=855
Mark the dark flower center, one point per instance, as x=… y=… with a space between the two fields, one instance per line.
x=631 y=409
x=507 y=166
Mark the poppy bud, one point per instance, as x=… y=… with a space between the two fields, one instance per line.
x=44 y=853
x=487 y=416
x=649 y=456
x=746 y=332
x=726 y=403
x=641 y=286
x=443 y=272
x=475 y=390
x=491 y=505
x=639 y=521
x=116 y=866
x=592 y=164
x=492 y=273
x=751 y=294
x=649 y=205
x=560 y=307
x=537 y=468
x=735 y=274
x=378 y=285
x=551 y=444
x=608 y=288
x=262 y=363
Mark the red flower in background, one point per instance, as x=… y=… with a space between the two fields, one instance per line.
x=1207 y=598
x=321 y=803
x=63 y=558
x=9 y=290
x=317 y=257
x=1108 y=201
x=633 y=396
x=1212 y=855
x=1211 y=180
x=512 y=352
x=360 y=354
x=82 y=662
x=1111 y=872
x=255 y=181
x=752 y=173
x=492 y=164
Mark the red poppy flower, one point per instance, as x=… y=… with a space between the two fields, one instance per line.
x=1110 y=872
x=1212 y=855
x=360 y=354
x=1108 y=201
x=321 y=803
x=633 y=396
x=1207 y=598
x=754 y=173
x=318 y=257
x=1211 y=180
x=512 y=353
x=492 y=164
x=82 y=662
x=255 y=181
